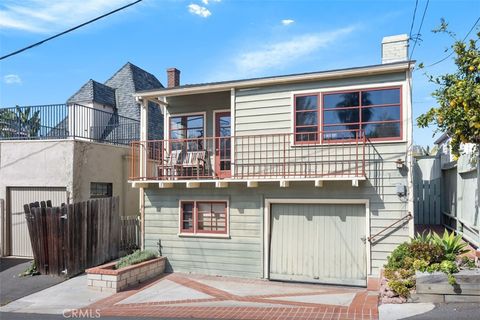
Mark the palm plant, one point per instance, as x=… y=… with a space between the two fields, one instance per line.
x=28 y=124
x=7 y=118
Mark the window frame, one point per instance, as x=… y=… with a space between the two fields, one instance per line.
x=109 y=186
x=194 y=232
x=318 y=125
x=320 y=109
x=188 y=114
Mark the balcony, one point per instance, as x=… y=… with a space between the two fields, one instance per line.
x=65 y=121
x=339 y=155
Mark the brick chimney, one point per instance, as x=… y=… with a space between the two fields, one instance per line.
x=395 y=48
x=173 y=76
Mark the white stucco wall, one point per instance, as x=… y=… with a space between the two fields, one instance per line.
x=66 y=163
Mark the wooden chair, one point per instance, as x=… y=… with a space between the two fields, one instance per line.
x=179 y=160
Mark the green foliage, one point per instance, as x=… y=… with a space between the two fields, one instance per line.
x=458 y=94
x=22 y=122
x=428 y=251
x=402 y=287
x=467 y=263
x=448 y=267
x=420 y=265
x=452 y=244
x=134 y=258
x=396 y=260
x=434 y=267
x=31 y=270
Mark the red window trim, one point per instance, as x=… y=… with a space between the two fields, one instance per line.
x=317 y=140
x=194 y=230
x=321 y=109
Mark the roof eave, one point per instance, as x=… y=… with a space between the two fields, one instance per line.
x=325 y=75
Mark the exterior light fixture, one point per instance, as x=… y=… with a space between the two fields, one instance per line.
x=400 y=163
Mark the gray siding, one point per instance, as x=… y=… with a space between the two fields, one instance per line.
x=269 y=110
x=241 y=255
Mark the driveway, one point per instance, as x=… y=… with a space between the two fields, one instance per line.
x=14 y=287
x=198 y=296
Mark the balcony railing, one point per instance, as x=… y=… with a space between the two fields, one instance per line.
x=339 y=154
x=62 y=121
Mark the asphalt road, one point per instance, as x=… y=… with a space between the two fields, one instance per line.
x=451 y=311
x=13 y=287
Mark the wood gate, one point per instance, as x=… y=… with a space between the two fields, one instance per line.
x=68 y=239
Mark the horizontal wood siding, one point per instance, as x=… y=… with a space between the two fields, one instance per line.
x=241 y=255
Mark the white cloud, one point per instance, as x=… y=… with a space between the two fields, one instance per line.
x=46 y=16
x=206 y=2
x=12 y=79
x=283 y=53
x=287 y=22
x=199 y=10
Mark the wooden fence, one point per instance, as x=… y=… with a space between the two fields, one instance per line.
x=130 y=234
x=67 y=240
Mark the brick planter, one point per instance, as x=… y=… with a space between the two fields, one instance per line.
x=105 y=278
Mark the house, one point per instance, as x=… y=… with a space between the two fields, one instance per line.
x=302 y=177
x=71 y=152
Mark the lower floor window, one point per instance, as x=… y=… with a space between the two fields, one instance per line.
x=100 y=190
x=203 y=217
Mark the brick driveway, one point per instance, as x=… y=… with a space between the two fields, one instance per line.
x=208 y=297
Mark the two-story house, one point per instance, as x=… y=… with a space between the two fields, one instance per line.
x=301 y=177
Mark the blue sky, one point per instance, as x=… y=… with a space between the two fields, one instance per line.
x=211 y=40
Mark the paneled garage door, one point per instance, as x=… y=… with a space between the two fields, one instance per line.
x=18 y=196
x=318 y=243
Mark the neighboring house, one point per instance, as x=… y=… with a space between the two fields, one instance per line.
x=294 y=177
x=460 y=194
x=72 y=152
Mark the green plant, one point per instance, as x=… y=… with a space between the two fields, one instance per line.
x=430 y=252
x=134 y=258
x=433 y=267
x=425 y=237
x=452 y=244
x=396 y=259
x=467 y=263
x=402 y=287
x=420 y=265
x=30 y=271
x=449 y=267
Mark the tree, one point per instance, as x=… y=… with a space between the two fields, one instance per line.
x=457 y=95
x=20 y=123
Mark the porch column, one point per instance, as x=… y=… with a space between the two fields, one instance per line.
x=143 y=138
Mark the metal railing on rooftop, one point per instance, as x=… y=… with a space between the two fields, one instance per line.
x=62 y=121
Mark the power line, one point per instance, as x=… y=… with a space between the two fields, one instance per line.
x=68 y=31
x=451 y=52
x=419 y=29
x=413 y=19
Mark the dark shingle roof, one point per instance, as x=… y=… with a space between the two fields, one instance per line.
x=96 y=92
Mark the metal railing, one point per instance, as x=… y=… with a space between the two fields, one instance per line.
x=269 y=156
x=62 y=121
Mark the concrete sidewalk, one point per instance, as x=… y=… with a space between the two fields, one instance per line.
x=68 y=295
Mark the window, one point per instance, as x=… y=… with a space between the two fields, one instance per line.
x=306 y=119
x=189 y=127
x=375 y=111
x=197 y=217
x=100 y=190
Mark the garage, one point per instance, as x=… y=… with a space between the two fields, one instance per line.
x=318 y=242
x=18 y=196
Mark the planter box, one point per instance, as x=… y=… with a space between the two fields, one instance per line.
x=105 y=278
x=434 y=287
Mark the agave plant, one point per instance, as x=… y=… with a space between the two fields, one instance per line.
x=424 y=237
x=451 y=243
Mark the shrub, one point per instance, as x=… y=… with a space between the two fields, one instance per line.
x=396 y=259
x=430 y=252
x=134 y=258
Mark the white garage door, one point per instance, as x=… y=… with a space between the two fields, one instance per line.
x=318 y=243
x=18 y=196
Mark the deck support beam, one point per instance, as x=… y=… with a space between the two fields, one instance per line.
x=137 y=185
x=193 y=184
x=318 y=183
x=284 y=183
x=221 y=184
x=354 y=182
x=252 y=184
x=165 y=185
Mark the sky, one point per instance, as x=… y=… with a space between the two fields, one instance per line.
x=214 y=40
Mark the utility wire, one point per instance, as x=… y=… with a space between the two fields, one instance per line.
x=419 y=30
x=68 y=31
x=413 y=19
x=451 y=52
